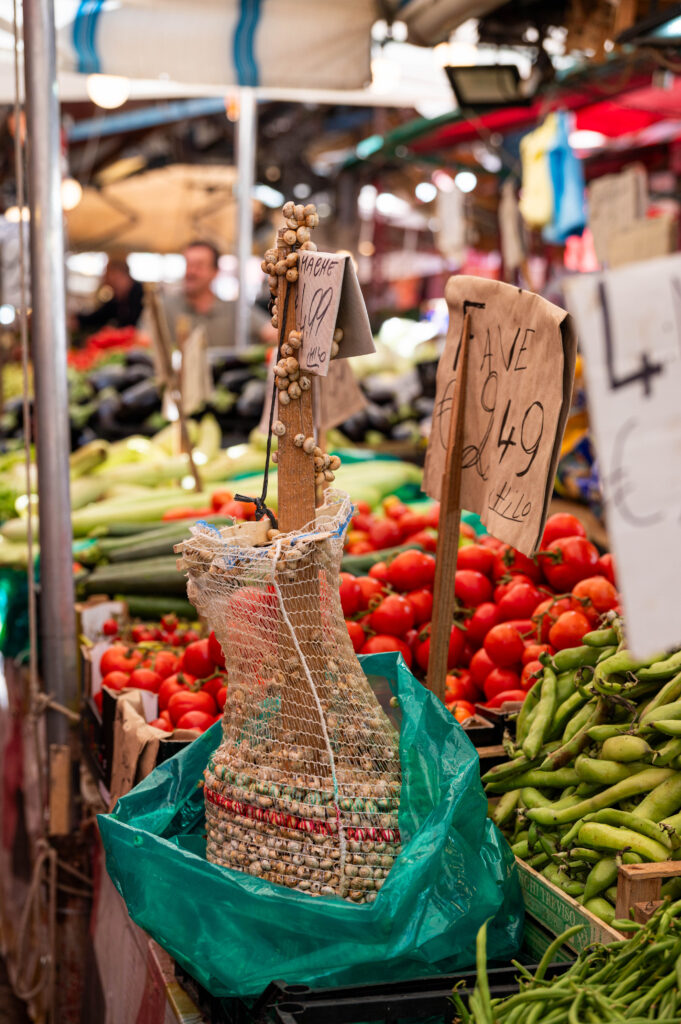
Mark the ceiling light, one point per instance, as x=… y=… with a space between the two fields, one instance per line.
x=425 y=191
x=390 y=205
x=14 y=215
x=269 y=197
x=366 y=200
x=71 y=193
x=465 y=181
x=584 y=138
x=108 y=91
x=301 y=190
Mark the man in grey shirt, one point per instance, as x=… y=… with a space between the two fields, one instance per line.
x=200 y=306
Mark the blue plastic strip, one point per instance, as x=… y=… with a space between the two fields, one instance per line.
x=84 y=32
x=244 y=43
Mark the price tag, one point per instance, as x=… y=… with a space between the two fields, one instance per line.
x=520 y=374
x=328 y=296
x=630 y=324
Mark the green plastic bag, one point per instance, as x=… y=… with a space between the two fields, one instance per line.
x=235 y=933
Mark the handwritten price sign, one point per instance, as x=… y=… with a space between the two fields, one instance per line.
x=630 y=325
x=520 y=373
x=329 y=296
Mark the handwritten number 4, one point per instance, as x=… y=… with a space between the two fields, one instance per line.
x=505 y=442
x=648 y=369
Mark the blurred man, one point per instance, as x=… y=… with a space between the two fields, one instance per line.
x=200 y=306
x=122 y=300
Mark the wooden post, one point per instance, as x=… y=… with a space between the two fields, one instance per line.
x=448 y=530
x=296 y=490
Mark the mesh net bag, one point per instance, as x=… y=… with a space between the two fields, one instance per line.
x=304 y=788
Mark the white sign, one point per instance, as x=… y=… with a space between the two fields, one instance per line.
x=629 y=323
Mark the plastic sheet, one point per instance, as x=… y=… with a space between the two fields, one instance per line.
x=235 y=933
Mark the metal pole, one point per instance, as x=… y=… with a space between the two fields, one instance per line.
x=245 y=143
x=57 y=612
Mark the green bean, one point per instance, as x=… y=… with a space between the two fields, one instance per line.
x=669 y=750
x=605 y=653
x=508 y=769
x=531 y=797
x=668 y=694
x=521 y=849
x=662 y=667
x=670 y=727
x=527 y=711
x=565 y=712
x=584 y=854
x=604 y=773
x=574 y=657
x=623 y=661
x=537 y=779
x=662 y=712
x=577 y=721
x=663 y=800
x=601 y=908
x=505 y=807
x=610 y=837
x=623 y=819
x=576 y=743
x=600 y=733
x=600 y=638
x=542 y=717
x=538 y=861
x=625 y=749
x=641 y=782
x=600 y=877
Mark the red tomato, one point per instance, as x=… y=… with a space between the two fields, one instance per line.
x=173 y=684
x=166 y=717
x=362 y=521
x=162 y=723
x=220 y=498
x=412 y=522
x=481 y=621
x=606 y=566
x=380 y=644
x=213 y=684
x=432 y=515
x=119 y=658
x=421 y=602
x=511 y=561
x=569 y=560
x=467 y=531
x=457 y=641
x=189 y=700
x=379 y=571
x=506 y=696
x=184 y=513
x=196 y=659
x=363 y=507
x=532 y=652
x=471 y=587
x=462 y=710
x=546 y=613
x=394 y=615
x=480 y=667
x=411 y=570
x=500 y=680
x=357 y=634
x=350 y=594
x=527 y=676
x=507 y=583
x=460 y=687
x=195 y=720
x=239 y=509
x=599 y=591
x=427 y=539
x=221 y=697
x=519 y=602
x=372 y=592
x=356 y=537
x=476 y=557
x=145 y=679
x=504 y=645
x=166 y=663
x=362 y=547
x=562 y=524
x=116 y=680
x=568 y=630
x=110 y=627
x=385 y=533
x=394 y=508
x=493 y=543
x=141 y=634
x=215 y=651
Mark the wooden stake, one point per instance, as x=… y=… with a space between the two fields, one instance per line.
x=448 y=530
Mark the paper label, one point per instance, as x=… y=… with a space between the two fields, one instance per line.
x=520 y=373
x=328 y=296
x=630 y=324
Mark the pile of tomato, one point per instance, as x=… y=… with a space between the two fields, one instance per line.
x=509 y=609
x=190 y=680
x=398 y=525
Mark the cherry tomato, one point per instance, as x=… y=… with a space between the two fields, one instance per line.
x=527 y=676
x=600 y=592
x=141 y=634
x=379 y=571
x=511 y=561
x=380 y=644
x=546 y=613
x=372 y=592
x=357 y=634
x=493 y=543
x=456 y=645
x=165 y=663
x=506 y=697
x=145 y=679
x=190 y=700
x=412 y=522
x=363 y=508
x=196 y=659
x=460 y=687
x=394 y=615
x=411 y=570
x=350 y=594
x=110 y=627
x=532 y=652
x=504 y=645
x=162 y=723
x=221 y=697
x=385 y=533
x=432 y=515
x=480 y=667
x=200 y=720
x=462 y=710
x=427 y=539
x=606 y=566
x=499 y=680
x=568 y=630
x=481 y=621
x=173 y=684
x=116 y=680
x=507 y=582
x=476 y=557
x=472 y=588
x=394 y=508
x=519 y=602
x=561 y=524
x=421 y=602
x=215 y=651
x=569 y=560
x=119 y=658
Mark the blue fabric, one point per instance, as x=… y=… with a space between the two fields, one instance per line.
x=84 y=30
x=244 y=43
x=567 y=179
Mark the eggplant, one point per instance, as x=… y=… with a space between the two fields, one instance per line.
x=108 y=377
x=427 y=372
x=139 y=401
x=377 y=419
x=235 y=379
x=406 y=431
x=252 y=398
x=378 y=391
x=355 y=427
x=139 y=357
x=423 y=406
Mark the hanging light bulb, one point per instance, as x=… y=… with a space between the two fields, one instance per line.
x=108 y=91
x=71 y=193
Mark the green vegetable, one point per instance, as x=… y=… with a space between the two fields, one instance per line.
x=574 y=657
x=600 y=638
x=541 y=719
x=626 y=748
x=663 y=800
x=641 y=782
x=601 y=876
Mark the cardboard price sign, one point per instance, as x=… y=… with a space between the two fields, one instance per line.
x=328 y=296
x=630 y=325
x=519 y=385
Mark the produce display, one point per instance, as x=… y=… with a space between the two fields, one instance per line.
x=637 y=979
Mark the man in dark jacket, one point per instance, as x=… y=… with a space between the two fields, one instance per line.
x=123 y=299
